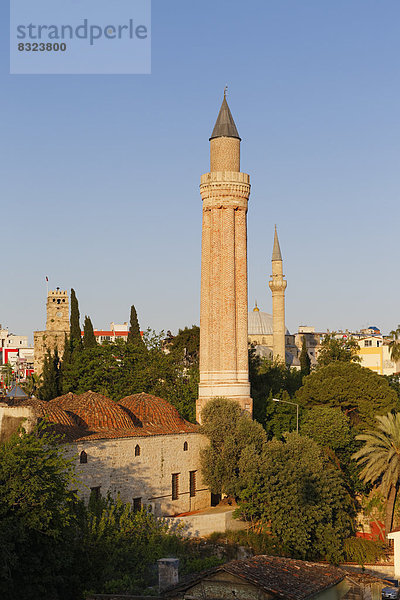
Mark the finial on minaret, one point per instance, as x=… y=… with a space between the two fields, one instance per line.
x=225 y=90
x=276 y=252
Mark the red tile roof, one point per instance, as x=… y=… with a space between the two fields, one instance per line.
x=95 y=411
x=281 y=577
x=91 y=416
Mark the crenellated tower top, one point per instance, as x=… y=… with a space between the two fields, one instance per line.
x=57 y=310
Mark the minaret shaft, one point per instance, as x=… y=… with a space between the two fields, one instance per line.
x=278 y=286
x=223 y=307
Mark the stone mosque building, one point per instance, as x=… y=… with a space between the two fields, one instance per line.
x=140 y=447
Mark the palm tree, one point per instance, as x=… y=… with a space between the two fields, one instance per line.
x=394 y=345
x=380 y=459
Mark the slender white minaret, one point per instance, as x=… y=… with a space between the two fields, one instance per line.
x=224 y=190
x=278 y=287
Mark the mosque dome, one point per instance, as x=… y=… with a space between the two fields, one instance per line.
x=260 y=323
x=94 y=411
x=154 y=413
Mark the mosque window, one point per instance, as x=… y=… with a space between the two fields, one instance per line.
x=137 y=504
x=137 y=450
x=185 y=446
x=175 y=486
x=192 y=483
x=83 y=458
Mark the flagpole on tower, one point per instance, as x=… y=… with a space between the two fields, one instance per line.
x=47 y=286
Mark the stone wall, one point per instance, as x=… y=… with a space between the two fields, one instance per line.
x=43 y=341
x=11 y=419
x=113 y=466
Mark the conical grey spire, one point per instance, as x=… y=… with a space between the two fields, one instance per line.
x=225 y=125
x=276 y=252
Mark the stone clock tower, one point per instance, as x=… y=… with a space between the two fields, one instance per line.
x=57 y=325
x=223 y=308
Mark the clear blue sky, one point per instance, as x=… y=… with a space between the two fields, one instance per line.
x=99 y=174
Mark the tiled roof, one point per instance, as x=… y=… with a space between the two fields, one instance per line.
x=95 y=411
x=155 y=414
x=92 y=416
x=62 y=423
x=281 y=577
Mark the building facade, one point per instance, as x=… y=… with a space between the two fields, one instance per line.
x=139 y=448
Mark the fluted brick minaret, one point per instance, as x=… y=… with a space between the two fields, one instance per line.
x=278 y=287
x=223 y=312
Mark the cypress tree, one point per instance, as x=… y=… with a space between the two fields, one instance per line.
x=66 y=357
x=134 y=336
x=66 y=360
x=75 y=328
x=305 y=361
x=50 y=387
x=89 y=339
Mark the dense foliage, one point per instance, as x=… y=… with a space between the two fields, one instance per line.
x=299 y=496
x=331 y=429
x=231 y=433
x=358 y=392
x=271 y=379
x=38 y=519
x=75 y=328
x=50 y=377
x=305 y=360
x=118 y=369
x=89 y=339
x=362 y=551
x=338 y=349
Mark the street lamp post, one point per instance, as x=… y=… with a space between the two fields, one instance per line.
x=297 y=410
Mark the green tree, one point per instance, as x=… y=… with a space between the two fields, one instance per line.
x=394 y=382
x=230 y=433
x=292 y=490
x=394 y=345
x=359 y=392
x=185 y=346
x=75 y=328
x=328 y=426
x=39 y=529
x=134 y=335
x=338 y=349
x=51 y=377
x=270 y=379
x=331 y=429
x=32 y=384
x=305 y=360
x=380 y=460
x=89 y=339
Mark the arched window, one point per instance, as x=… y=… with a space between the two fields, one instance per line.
x=137 y=450
x=185 y=447
x=83 y=457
